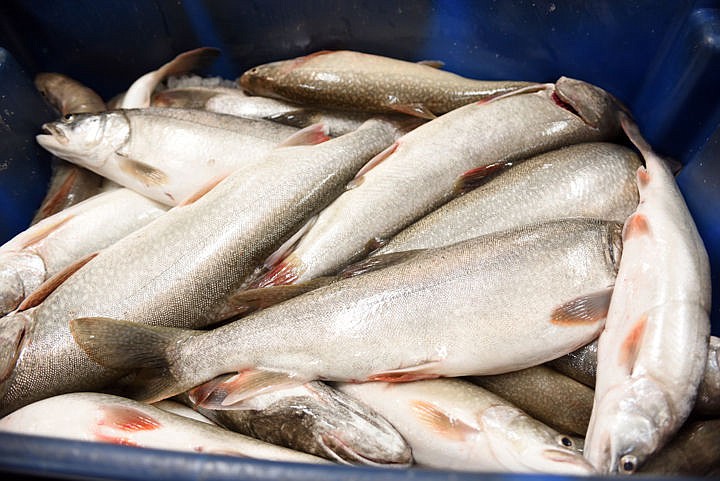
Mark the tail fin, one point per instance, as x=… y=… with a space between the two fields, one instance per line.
x=125 y=345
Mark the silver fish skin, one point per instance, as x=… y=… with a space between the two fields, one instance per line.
x=580 y=365
x=595 y=180
x=392 y=324
x=164 y=154
x=313 y=418
x=176 y=407
x=69 y=184
x=453 y=424
x=422 y=170
x=653 y=350
x=59 y=241
x=96 y=417
x=177 y=270
x=550 y=397
x=358 y=81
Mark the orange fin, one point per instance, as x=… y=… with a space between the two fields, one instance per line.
x=432 y=63
x=643 y=177
x=227 y=392
x=631 y=345
x=442 y=423
x=285 y=272
x=374 y=162
x=40 y=233
x=636 y=225
x=145 y=173
x=127 y=419
x=419 y=372
x=52 y=283
x=311 y=135
x=473 y=178
x=587 y=309
x=415 y=109
x=376 y=263
x=209 y=185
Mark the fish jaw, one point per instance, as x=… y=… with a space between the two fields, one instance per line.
x=20 y=274
x=590 y=103
x=628 y=426
x=88 y=140
x=261 y=80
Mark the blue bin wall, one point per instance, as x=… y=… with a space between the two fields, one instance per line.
x=661 y=58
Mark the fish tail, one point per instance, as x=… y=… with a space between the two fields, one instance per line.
x=118 y=344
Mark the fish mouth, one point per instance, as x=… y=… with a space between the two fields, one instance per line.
x=341 y=452
x=55 y=132
x=567 y=461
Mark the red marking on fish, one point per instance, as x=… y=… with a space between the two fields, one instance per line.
x=631 y=345
x=636 y=225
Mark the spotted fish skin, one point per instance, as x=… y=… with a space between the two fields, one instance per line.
x=359 y=81
x=177 y=270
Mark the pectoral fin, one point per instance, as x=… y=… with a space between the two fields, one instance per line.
x=587 y=309
x=227 y=392
x=440 y=422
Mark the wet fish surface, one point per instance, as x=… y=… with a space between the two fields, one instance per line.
x=428 y=166
x=694 y=451
x=313 y=418
x=112 y=419
x=178 y=269
x=453 y=424
x=439 y=312
x=594 y=180
x=653 y=350
x=358 y=81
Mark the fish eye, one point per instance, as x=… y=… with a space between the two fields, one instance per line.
x=628 y=464
x=565 y=441
x=68 y=117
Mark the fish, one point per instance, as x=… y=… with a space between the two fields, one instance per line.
x=312 y=418
x=595 y=180
x=454 y=424
x=178 y=269
x=69 y=184
x=694 y=451
x=581 y=365
x=165 y=154
x=193 y=97
x=430 y=165
x=351 y=80
x=550 y=397
x=62 y=242
x=438 y=312
x=653 y=350
x=176 y=407
x=105 y=418
x=139 y=94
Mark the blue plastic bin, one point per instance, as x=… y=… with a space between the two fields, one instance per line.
x=661 y=58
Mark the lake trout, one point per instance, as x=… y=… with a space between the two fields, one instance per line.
x=111 y=419
x=453 y=424
x=371 y=83
x=694 y=451
x=422 y=314
x=178 y=270
x=430 y=165
x=653 y=350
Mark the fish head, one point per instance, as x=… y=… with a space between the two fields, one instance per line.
x=14 y=332
x=88 y=140
x=614 y=246
x=595 y=106
x=263 y=79
x=522 y=443
x=630 y=424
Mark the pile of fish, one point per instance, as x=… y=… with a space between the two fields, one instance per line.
x=350 y=258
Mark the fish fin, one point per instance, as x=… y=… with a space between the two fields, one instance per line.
x=414 y=109
x=55 y=202
x=118 y=344
x=47 y=287
x=139 y=93
x=586 y=309
x=287 y=247
x=296 y=118
x=145 y=173
x=636 y=225
x=209 y=185
x=643 y=177
x=375 y=263
x=250 y=300
x=311 y=135
x=630 y=346
x=126 y=418
x=440 y=422
x=424 y=370
x=438 y=64
x=473 y=178
x=38 y=234
x=285 y=272
x=246 y=384
x=374 y=162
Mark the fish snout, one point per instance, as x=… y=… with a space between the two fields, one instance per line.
x=567 y=461
x=54 y=129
